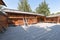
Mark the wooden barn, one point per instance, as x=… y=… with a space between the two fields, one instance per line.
x=16 y=17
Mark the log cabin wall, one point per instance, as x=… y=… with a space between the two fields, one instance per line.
x=3 y=18
x=41 y=19
x=31 y=19
x=21 y=19
x=51 y=20
x=3 y=21
x=58 y=19
x=15 y=19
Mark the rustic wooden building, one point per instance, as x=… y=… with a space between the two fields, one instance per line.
x=3 y=21
x=53 y=18
x=16 y=17
x=3 y=18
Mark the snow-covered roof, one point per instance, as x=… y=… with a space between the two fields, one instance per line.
x=20 y=12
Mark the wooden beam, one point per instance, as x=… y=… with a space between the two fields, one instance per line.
x=45 y=19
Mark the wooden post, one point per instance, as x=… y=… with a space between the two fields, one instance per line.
x=57 y=19
x=44 y=19
x=25 y=21
x=36 y=19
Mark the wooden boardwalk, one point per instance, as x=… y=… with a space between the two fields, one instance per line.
x=31 y=33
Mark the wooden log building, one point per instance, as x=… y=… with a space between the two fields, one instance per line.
x=3 y=21
x=16 y=17
x=53 y=18
x=3 y=18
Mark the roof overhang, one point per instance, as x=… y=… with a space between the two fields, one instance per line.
x=3 y=13
x=20 y=12
x=56 y=15
x=2 y=3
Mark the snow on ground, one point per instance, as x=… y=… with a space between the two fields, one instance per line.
x=44 y=25
x=41 y=25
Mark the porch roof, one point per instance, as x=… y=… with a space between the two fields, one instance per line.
x=20 y=12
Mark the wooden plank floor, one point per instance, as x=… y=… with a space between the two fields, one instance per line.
x=31 y=33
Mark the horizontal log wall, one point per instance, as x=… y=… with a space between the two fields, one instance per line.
x=3 y=22
x=51 y=19
x=21 y=19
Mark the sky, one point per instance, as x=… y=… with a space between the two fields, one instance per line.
x=54 y=5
